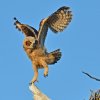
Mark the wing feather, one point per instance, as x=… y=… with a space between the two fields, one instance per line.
x=26 y=29
x=42 y=32
x=57 y=22
x=60 y=19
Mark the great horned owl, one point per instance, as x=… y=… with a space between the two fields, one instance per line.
x=34 y=41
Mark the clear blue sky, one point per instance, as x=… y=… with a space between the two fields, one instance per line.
x=79 y=43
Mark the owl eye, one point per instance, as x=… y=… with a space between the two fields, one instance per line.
x=28 y=43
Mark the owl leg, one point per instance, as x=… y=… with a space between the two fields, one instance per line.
x=35 y=68
x=45 y=69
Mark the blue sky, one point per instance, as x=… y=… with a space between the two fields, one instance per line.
x=79 y=43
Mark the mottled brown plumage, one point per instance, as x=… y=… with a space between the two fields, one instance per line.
x=39 y=56
x=34 y=41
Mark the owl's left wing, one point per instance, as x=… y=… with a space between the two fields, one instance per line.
x=57 y=22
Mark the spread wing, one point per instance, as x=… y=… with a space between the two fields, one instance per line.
x=57 y=22
x=26 y=29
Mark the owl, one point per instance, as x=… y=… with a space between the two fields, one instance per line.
x=33 y=43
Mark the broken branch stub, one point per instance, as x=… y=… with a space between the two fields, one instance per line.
x=37 y=94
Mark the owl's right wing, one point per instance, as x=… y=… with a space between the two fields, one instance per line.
x=57 y=22
x=26 y=29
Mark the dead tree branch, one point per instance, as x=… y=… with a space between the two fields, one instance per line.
x=91 y=76
x=37 y=94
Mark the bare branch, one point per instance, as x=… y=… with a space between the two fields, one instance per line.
x=37 y=94
x=91 y=76
x=95 y=95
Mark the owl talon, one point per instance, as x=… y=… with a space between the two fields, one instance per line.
x=46 y=75
x=33 y=81
x=30 y=83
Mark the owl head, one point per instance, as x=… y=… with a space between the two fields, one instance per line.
x=30 y=42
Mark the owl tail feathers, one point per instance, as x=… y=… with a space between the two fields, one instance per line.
x=54 y=56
